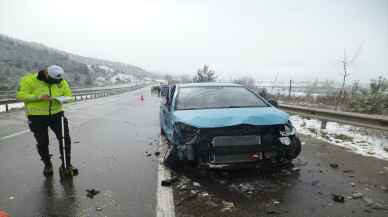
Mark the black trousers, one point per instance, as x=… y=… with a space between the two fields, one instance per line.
x=39 y=125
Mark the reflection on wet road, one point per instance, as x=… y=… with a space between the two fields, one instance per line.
x=110 y=137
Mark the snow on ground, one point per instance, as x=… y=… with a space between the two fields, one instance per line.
x=362 y=141
x=106 y=68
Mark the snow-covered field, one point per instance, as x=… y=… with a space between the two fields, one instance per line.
x=362 y=141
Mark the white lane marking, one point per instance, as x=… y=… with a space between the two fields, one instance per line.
x=165 y=199
x=15 y=134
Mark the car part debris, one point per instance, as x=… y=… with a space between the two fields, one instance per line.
x=338 y=198
x=228 y=206
x=11 y=197
x=357 y=195
x=348 y=171
x=91 y=193
x=272 y=212
x=169 y=182
x=275 y=202
x=204 y=194
x=334 y=166
x=99 y=209
x=196 y=184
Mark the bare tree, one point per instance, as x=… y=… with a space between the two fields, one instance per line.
x=204 y=75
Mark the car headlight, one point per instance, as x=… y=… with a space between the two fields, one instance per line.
x=288 y=129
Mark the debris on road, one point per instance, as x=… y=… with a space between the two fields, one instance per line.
x=338 y=198
x=11 y=197
x=275 y=202
x=99 y=209
x=272 y=212
x=348 y=171
x=157 y=153
x=91 y=193
x=228 y=206
x=204 y=194
x=169 y=182
x=196 y=184
x=333 y=165
x=384 y=188
x=357 y=195
x=353 y=184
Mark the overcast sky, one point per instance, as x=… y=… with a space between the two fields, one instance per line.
x=300 y=39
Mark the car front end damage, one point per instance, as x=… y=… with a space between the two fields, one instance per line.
x=234 y=146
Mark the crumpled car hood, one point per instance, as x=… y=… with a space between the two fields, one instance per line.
x=211 y=118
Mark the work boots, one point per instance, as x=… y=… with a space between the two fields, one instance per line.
x=48 y=168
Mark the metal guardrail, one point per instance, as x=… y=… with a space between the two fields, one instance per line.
x=378 y=122
x=84 y=94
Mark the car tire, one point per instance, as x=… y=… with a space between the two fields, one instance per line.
x=294 y=149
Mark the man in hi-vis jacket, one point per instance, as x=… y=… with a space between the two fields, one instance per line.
x=43 y=94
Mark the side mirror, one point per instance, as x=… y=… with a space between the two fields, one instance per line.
x=274 y=103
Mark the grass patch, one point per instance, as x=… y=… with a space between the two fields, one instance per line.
x=343 y=137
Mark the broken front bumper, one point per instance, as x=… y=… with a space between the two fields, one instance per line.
x=244 y=145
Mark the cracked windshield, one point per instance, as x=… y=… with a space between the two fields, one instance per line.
x=193 y=108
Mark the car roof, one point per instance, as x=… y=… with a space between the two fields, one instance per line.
x=210 y=84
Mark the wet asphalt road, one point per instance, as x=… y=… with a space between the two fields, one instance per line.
x=304 y=189
x=110 y=137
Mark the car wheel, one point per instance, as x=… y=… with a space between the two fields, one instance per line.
x=294 y=149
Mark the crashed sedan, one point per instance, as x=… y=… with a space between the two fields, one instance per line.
x=220 y=125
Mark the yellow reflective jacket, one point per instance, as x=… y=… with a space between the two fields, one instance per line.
x=31 y=88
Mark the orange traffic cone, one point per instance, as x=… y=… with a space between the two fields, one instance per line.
x=3 y=214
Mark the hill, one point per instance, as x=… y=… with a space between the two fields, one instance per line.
x=18 y=57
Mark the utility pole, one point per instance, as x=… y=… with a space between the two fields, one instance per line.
x=290 y=89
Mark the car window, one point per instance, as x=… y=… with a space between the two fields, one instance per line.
x=216 y=97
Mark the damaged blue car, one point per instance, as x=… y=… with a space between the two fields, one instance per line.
x=218 y=125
